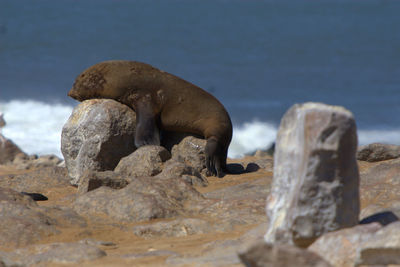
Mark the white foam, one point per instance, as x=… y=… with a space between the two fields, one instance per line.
x=251 y=136
x=386 y=136
x=35 y=126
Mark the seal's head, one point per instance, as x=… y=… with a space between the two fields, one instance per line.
x=103 y=80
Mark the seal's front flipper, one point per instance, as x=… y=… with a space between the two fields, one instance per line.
x=147 y=132
x=215 y=159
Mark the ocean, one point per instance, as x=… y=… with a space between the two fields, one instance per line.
x=257 y=57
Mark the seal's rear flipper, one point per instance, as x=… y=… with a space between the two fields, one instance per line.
x=215 y=159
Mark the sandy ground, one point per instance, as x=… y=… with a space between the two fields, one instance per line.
x=126 y=244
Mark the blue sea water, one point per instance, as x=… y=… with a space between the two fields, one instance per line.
x=257 y=57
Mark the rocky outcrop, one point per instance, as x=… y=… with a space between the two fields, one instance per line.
x=96 y=136
x=316 y=182
x=378 y=152
x=143 y=199
x=8 y=150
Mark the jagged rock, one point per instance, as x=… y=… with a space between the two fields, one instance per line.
x=340 y=247
x=143 y=199
x=145 y=161
x=189 y=174
x=175 y=228
x=382 y=248
x=8 y=150
x=92 y=180
x=262 y=254
x=96 y=136
x=52 y=254
x=190 y=151
x=315 y=185
x=378 y=152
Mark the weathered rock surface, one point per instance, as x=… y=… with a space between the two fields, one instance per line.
x=382 y=248
x=379 y=187
x=8 y=150
x=339 y=248
x=191 y=152
x=145 y=161
x=144 y=198
x=52 y=254
x=96 y=136
x=316 y=182
x=173 y=168
x=378 y=152
x=263 y=254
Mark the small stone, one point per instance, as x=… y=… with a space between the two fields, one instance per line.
x=190 y=151
x=145 y=161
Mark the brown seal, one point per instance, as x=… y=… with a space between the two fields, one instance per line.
x=161 y=101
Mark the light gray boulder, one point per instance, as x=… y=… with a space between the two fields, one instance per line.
x=339 y=248
x=315 y=186
x=96 y=136
x=383 y=248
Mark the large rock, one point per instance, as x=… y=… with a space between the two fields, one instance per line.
x=8 y=150
x=315 y=185
x=378 y=152
x=340 y=247
x=263 y=254
x=382 y=248
x=96 y=136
